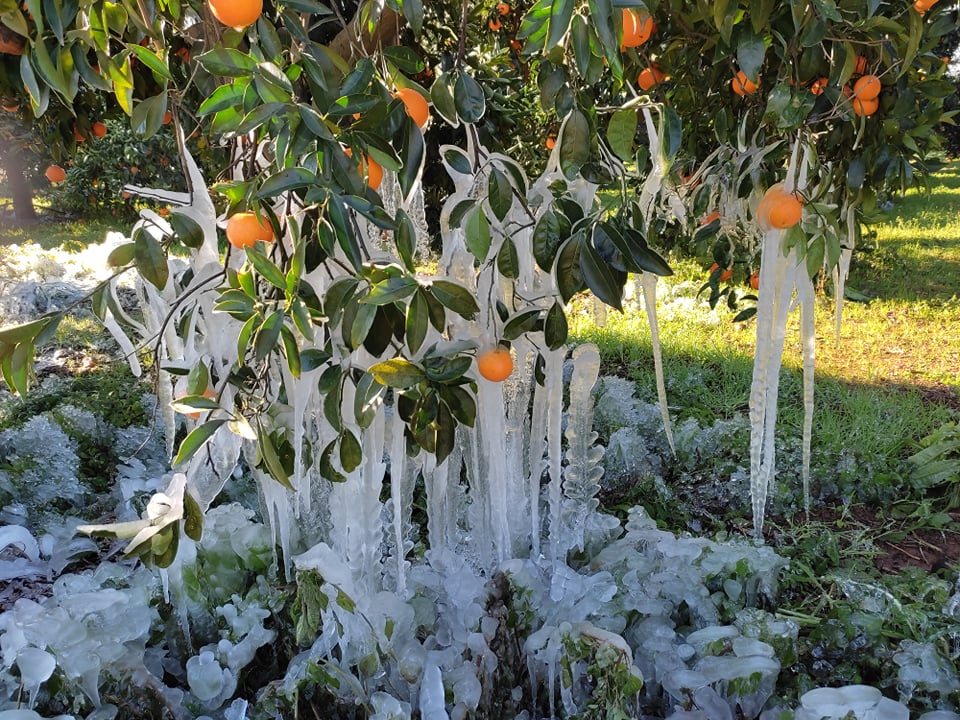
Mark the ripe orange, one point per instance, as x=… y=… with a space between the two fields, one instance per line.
x=416 y=105
x=742 y=85
x=56 y=174
x=98 y=129
x=503 y=8
x=865 y=107
x=77 y=135
x=725 y=275
x=494 y=24
x=819 y=85
x=370 y=169
x=245 y=228
x=779 y=209
x=755 y=279
x=167 y=117
x=495 y=365
x=707 y=219
x=236 y=13
x=860 y=67
x=551 y=142
x=637 y=29
x=921 y=6
x=650 y=77
x=867 y=88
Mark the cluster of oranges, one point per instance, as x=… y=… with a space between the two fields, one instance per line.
x=503 y=9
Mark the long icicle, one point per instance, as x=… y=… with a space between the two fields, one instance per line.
x=842 y=269
x=806 y=296
x=649 y=283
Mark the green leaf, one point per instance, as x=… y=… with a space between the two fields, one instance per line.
x=195 y=440
x=456 y=298
x=397 y=373
x=121 y=255
x=186 y=229
x=522 y=322
x=291 y=350
x=575 y=142
x=362 y=323
x=367 y=400
x=391 y=290
x=270 y=458
x=192 y=517
x=568 y=273
x=500 y=194
x=263 y=265
x=227 y=62
x=469 y=98
x=508 y=260
x=560 y=13
x=20 y=360
x=546 y=239
x=441 y=93
x=147 y=117
x=621 y=131
x=457 y=159
x=477 y=233
x=750 y=52
x=150 y=259
x=555 y=327
x=268 y=334
x=405 y=238
x=148 y=58
x=462 y=404
x=597 y=275
x=415 y=328
x=405 y=58
x=285 y=181
x=351 y=454
x=327 y=470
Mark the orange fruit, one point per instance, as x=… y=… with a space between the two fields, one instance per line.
x=650 y=77
x=98 y=129
x=56 y=174
x=503 y=8
x=416 y=105
x=865 y=107
x=860 y=67
x=167 y=117
x=779 y=209
x=77 y=135
x=494 y=24
x=370 y=169
x=208 y=393
x=495 y=365
x=819 y=85
x=236 y=13
x=551 y=142
x=867 y=88
x=724 y=276
x=637 y=29
x=707 y=219
x=742 y=85
x=245 y=228
x=755 y=279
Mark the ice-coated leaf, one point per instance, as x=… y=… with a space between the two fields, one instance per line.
x=477 y=232
x=621 y=131
x=397 y=373
x=555 y=327
x=196 y=439
x=575 y=141
x=150 y=259
x=455 y=297
x=500 y=193
x=469 y=98
x=351 y=454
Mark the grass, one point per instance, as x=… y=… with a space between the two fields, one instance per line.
x=67 y=235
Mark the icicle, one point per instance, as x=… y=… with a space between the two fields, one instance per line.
x=842 y=269
x=583 y=470
x=554 y=400
x=398 y=461
x=536 y=463
x=649 y=283
x=492 y=436
x=808 y=339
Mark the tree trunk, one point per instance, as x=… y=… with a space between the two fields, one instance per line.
x=355 y=42
x=19 y=188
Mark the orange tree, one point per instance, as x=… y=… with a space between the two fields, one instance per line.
x=288 y=351
x=301 y=92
